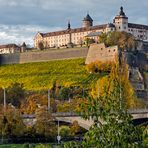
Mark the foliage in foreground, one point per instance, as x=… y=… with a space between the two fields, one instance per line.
x=115 y=129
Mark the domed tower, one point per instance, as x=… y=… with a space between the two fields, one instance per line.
x=87 y=21
x=121 y=21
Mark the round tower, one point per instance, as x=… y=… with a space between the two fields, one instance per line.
x=87 y=21
x=121 y=21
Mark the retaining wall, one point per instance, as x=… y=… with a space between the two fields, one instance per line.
x=28 y=57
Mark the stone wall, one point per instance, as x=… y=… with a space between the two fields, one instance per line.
x=98 y=52
x=29 y=57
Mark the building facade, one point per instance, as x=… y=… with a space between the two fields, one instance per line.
x=12 y=48
x=77 y=36
x=9 y=48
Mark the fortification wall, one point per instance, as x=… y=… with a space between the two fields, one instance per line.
x=98 y=52
x=42 y=56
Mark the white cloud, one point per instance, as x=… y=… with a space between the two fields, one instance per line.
x=21 y=33
x=47 y=15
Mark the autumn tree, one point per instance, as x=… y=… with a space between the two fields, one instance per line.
x=15 y=94
x=41 y=45
x=115 y=129
x=89 y=41
x=11 y=123
x=118 y=75
x=124 y=40
x=44 y=124
x=75 y=128
x=33 y=102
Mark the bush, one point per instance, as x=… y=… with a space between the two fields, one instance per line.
x=65 y=131
x=26 y=145
x=92 y=67
x=64 y=93
x=99 y=66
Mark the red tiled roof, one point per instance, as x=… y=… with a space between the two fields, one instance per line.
x=137 y=26
x=76 y=30
x=8 y=46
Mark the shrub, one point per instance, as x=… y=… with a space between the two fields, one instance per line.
x=64 y=93
x=92 y=67
x=65 y=131
x=99 y=66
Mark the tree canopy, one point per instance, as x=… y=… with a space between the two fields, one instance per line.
x=124 y=40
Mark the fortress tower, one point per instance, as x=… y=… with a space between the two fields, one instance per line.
x=121 y=21
x=87 y=21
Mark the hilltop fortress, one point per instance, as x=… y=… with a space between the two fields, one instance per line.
x=77 y=36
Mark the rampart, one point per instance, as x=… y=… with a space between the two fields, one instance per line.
x=40 y=56
x=98 y=52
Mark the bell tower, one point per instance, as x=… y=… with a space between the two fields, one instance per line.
x=121 y=21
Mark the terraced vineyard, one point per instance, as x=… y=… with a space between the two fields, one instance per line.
x=39 y=76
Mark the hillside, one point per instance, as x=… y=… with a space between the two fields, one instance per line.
x=38 y=76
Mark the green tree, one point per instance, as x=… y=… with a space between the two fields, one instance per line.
x=103 y=37
x=64 y=93
x=65 y=131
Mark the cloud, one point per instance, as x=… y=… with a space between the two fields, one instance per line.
x=22 y=19
x=21 y=33
x=57 y=12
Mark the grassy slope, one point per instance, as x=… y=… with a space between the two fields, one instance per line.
x=38 y=76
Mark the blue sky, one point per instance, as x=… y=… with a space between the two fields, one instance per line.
x=22 y=19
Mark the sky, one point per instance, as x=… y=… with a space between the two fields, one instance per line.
x=20 y=20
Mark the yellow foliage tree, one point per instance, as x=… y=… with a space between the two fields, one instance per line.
x=33 y=102
x=118 y=77
x=75 y=128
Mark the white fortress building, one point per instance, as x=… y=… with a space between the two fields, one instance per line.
x=77 y=36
